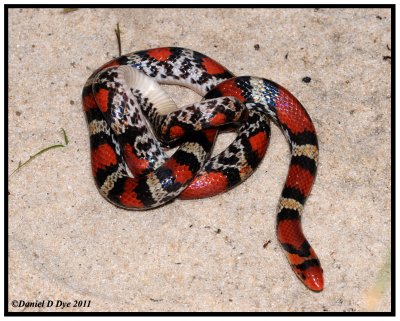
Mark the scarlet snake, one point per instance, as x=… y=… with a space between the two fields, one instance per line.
x=132 y=171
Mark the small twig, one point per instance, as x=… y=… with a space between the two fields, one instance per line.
x=42 y=151
x=118 y=33
x=68 y=10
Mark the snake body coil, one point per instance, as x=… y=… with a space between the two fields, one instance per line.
x=132 y=171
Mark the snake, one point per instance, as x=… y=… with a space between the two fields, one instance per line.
x=132 y=121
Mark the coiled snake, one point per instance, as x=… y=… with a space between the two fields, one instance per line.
x=132 y=171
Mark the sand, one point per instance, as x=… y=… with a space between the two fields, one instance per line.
x=68 y=243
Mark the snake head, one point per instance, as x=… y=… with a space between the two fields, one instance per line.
x=311 y=274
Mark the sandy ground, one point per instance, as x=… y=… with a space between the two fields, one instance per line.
x=67 y=243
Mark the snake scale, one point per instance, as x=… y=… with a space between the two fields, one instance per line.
x=132 y=170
